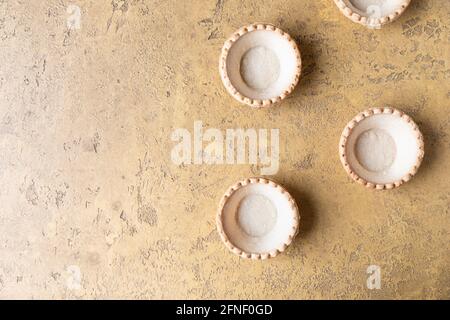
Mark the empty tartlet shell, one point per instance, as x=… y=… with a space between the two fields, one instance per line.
x=348 y=130
x=289 y=237
x=256 y=103
x=379 y=22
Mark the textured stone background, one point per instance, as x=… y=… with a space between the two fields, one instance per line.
x=92 y=206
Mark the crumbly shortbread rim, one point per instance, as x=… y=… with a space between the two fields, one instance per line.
x=289 y=238
x=356 y=17
x=257 y=103
x=348 y=131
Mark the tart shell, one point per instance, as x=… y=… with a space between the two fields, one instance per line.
x=287 y=238
x=257 y=103
x=354 y=123
x=372 y=23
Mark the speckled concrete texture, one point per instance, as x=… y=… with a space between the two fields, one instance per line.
x=93 y=207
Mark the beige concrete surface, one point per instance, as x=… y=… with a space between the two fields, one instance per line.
x=91 y=205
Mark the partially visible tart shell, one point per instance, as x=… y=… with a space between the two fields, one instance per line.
x=348 y=131
x=257 y=103
x=372 y=23
x=279 y=247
